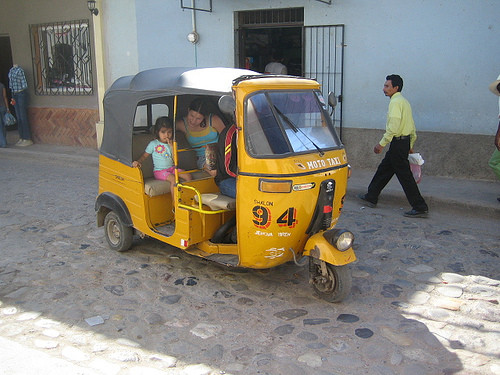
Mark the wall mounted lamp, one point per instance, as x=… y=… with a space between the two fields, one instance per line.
x=92 y=8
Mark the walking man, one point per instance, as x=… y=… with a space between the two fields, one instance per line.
x=400 y=134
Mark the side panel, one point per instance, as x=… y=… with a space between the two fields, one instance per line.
x=147 y=212
x=127 y=183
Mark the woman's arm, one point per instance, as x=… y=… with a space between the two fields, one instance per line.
x=217 y=123
x=179 y=126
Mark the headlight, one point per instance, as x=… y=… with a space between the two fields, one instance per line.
x=340 y=238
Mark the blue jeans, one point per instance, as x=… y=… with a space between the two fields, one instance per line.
x=21 y=108
x=228 y=187
x=3 y=131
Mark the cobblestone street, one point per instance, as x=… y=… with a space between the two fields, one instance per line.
x=424 y=300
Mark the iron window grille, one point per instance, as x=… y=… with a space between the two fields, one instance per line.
x=62 y=58
x=271 y=17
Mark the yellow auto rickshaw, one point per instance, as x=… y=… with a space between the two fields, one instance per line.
x=291 y=180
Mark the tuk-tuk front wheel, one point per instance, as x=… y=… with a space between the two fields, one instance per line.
x=118 y=235
x=331 y=283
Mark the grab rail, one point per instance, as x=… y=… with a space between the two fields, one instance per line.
x=200 y=203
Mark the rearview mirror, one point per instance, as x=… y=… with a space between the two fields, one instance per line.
x=332 y=99
x=227 y=104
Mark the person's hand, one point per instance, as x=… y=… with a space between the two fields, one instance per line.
x=136 y=164
x=211 y=172
x=378 y=149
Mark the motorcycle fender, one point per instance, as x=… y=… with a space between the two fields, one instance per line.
x=111 y=202
x=318 y=247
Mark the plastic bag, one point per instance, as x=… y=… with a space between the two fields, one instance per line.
x=416 y=162
x=9 y=119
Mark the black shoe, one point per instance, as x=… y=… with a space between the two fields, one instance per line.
x=415 y=213
x=366 y=201
x=498 y=199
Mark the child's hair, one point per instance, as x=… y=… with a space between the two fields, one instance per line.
x=162 y=122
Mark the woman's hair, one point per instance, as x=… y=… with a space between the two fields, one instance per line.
x=162 y=122
x=199 y=105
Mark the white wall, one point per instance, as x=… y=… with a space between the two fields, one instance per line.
x=444 y=50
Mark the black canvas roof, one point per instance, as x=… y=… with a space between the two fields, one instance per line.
x=121 y=99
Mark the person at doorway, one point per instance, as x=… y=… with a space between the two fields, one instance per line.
x=494 y=161
x=276 y=66
x=4 y=108
x=227 y=161
x=201 y=128
x=19 y=89
x=400 y=134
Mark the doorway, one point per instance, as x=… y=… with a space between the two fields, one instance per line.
x=260 y=46
x=264 y=34
x=5 y=63
x=315 y=52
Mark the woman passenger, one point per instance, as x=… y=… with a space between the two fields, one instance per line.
x=201 y=128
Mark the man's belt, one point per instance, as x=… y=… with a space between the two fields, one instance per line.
x=401 y=137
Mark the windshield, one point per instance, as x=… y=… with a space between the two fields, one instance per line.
x=286 y=122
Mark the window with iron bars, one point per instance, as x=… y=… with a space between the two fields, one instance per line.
x=62 y=59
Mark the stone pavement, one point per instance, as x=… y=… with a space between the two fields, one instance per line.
x=424 y=299
x=473 y=197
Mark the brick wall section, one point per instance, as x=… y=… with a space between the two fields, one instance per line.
x=64 y=126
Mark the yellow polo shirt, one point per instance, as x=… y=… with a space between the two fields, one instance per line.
x=399 y=121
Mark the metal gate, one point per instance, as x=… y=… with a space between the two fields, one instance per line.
x=323 y=49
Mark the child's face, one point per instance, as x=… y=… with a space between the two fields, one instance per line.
x=165 y=135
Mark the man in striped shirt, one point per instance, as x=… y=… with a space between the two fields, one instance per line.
x=19 y=88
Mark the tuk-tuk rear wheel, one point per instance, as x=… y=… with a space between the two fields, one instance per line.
x=331 y=283
x=118 y=235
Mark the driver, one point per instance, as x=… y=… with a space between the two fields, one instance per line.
x=227 y=161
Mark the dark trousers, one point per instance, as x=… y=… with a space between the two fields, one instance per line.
x=21 y=108
x=396 y=162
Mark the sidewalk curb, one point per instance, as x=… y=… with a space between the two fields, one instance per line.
x=463 y=197
x=87 y=158
x=393 y=198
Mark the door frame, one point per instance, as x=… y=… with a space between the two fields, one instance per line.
x=6 y=62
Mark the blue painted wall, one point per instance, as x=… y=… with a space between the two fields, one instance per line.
x=446 y=51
